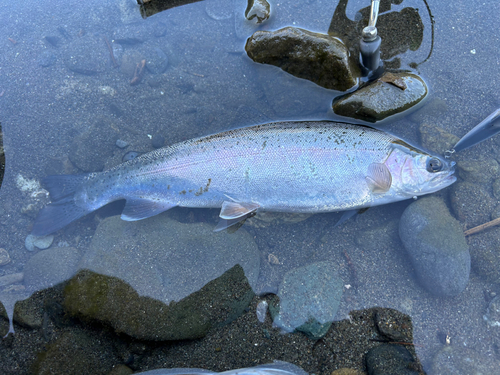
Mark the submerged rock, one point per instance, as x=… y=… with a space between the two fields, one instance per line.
x=319 y=58
x=259 y=10
x=436 y=246
x=485 y=255
x=76 y=352
x=471 y=203
x=87 y=55
x=50 y=267
x=452 y=360
x=91 y=148
x=391 y=359
x=382 y=98
x=309 y=299
x=111 y=301
x=158 y=284
x=434 y=138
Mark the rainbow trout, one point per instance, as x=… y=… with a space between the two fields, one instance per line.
x=303 y=167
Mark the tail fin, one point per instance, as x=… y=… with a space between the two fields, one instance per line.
x=63 y=209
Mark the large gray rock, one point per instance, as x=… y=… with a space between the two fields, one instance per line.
x=50 y=267
x=158 y=279
x=90 y=149
x=87 y=55
x=436 y=246
x=317 y=57
x=309 y=299
x=382 y=98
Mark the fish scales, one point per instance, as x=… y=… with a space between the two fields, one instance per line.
x=252 y=165
x=286 y=167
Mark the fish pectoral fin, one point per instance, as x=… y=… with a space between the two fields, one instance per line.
x=378 y=178
x=142 y=208
x=237 y=210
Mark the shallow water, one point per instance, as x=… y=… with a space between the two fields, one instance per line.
x=52 y=117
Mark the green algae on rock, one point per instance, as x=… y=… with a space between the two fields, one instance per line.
x=109 y=300
x=382 y=98
x=309 y=299
x=316 y=57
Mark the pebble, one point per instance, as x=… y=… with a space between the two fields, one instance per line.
x=121 y=144
x=261 y=311
x=31 y=242
x=492 y=316
x=436 y=246
x=158 y=141
x=4 y=257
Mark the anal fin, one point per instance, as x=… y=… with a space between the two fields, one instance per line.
x=142 y=208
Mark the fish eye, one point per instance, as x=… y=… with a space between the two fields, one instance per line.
x=434 y=165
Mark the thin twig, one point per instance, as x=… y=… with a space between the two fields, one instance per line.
x=482 y=227
x=110 y=49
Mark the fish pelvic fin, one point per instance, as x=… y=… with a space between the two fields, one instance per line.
x=142 y=208
x=234 y=214
x=63 y=209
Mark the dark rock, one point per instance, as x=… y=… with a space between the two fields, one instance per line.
x=131 y=155
x=29 y=312
x=109 y=300
x=75 y=352
x=90 y=149
x=436 y=246
x=156 y=60
x=258 y=9
x=309 y=299
x=471 y=203
x=46 y=59
x=87 y=55
x=50 y=267
x=394 y=325
x=485 y=255
x=158 y=141
x=4 y=321
x=121 y=143
x=52 y=40
x=391 y=360
x=452 y=360
x=304 y=54
x=381 y=99
x=148 y=268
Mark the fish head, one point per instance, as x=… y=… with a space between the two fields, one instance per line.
x=416 y=172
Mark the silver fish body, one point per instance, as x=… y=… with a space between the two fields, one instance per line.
x=275 y=368
x=286 y=167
